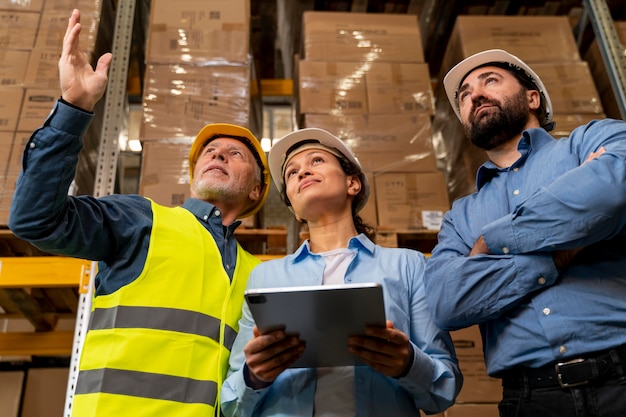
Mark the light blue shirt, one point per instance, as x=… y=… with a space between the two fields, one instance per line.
x=433 y=380
x=549 y=199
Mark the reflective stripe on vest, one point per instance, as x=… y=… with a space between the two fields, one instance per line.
x=161 y=318
x=147 y=385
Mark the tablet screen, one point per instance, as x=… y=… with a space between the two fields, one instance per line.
x=323 y=316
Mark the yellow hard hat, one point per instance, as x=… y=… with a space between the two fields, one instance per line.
x=215 y=130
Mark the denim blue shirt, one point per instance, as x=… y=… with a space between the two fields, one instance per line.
x=112 y=229
x=433 y=380
x=550 y=199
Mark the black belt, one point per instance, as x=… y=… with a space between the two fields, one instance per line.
x=570 y=373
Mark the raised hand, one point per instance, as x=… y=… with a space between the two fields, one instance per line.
x=81 y=85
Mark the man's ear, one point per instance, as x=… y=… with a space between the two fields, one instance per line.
x=534 y=99
x=255 y=193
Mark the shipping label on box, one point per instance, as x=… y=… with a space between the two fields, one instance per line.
x=361 y=37
x=198 y=31
x=331 y=87
x=399 y=88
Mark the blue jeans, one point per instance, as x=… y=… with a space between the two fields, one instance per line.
x=606 y=399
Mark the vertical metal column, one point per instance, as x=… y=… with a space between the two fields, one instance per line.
x=610 y=49
x=115 y=112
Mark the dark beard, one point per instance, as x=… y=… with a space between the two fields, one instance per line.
x=497 y=128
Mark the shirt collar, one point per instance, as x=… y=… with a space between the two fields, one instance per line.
x=532 y=139
x=357 y=242
x=209 y=214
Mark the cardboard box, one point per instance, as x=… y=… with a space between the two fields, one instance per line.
x=180 y=99
x=571 y=87
x=473 y=410
x=398 y=88
x=409 y=201
x=531 y=38
x=36 y=106
x=6 y=141
x=478 y=387
x=331 y=87
x=361 y=37
x=13 y=64
x=164 y=173
x=407 y=134
x=43 y=69
x=45 y=392
x=18 y=29
x=198 y=31
x=10 y=392
x=10 y=104
x=54 y=23
x=391 y=162
x=66 y=6
x=22 y=6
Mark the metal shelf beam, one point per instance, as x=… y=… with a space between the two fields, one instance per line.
x=610 y=48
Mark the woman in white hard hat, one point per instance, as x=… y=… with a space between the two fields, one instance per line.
x=411 y=364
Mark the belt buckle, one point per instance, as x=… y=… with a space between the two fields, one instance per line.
x=559 y=376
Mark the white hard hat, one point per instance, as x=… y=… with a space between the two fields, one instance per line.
x=498 y=57
x=313 y=138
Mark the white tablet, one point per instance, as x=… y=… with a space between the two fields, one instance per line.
x=322 y=315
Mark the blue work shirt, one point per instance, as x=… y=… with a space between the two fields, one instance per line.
x=112 y=229
x=550 y=199
x=432 y=382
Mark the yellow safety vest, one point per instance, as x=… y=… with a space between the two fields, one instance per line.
x=159 y=346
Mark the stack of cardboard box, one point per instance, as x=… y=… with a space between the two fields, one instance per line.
x=364 y=79
x=32 y=38
x=547 y=44
x=198 y=71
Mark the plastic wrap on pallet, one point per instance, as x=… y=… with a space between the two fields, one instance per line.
x=179 y=99
x=198 y=31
